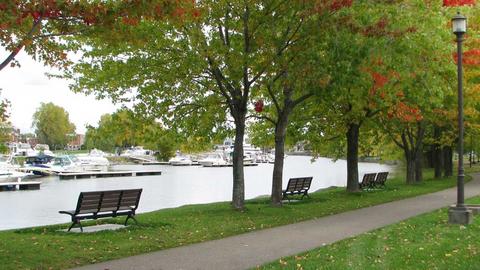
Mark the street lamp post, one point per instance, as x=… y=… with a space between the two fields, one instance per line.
x=459 y=213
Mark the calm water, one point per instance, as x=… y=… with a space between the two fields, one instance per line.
x=175 y=187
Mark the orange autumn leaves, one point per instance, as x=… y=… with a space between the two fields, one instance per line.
x=456 y=3
x=399 y=108
x=470 y=57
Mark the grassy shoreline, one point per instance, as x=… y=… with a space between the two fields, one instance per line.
x=33 y=248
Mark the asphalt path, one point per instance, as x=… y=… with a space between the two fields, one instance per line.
x=249 y=250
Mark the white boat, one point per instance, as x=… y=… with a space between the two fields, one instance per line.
x=66 y=163
x=138 y=153
x=43 y=149
x=21 y=149
x=7 y=163
x=10 y=171
x=181 y=160
x=60 y=164
x=213 y=159
x=7 y=176
x=94 y=161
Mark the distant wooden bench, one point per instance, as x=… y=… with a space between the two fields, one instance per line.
x=295 y=186
x=381 y=179
x=100 y=204
x=368 y=181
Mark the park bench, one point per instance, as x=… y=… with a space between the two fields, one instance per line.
x=100 y=204
x=295 y=186
x=368 y=181
x=381 y=179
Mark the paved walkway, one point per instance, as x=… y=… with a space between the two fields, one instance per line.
x=256 y=248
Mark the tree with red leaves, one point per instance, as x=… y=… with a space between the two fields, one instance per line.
x=38 y=25
x=367 y=65
x=362 y=63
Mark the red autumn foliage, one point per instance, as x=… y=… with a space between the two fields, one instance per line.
x=339 y=4
x=379 y=81
x=470 y=58
x=179 y=12
x=456 y=3
x=259 y=106
x=323 y=6
x=405 y=113
x=196 y=13
x=130 y=21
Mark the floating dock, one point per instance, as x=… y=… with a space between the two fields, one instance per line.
x=195 y=163
x=27 y=185
x=231 y=165
x=83 y=175
x=156 y=163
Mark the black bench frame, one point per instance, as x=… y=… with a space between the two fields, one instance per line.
x=108 y=203
x=368 y=181
x=299 y=185
x=381 y=179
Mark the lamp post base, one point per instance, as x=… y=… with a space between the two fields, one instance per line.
x=459 y=215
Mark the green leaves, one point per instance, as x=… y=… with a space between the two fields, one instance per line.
x=52 y=125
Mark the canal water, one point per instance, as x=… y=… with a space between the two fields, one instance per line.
x=175 y=187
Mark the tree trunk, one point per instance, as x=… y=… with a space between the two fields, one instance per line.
x=352 y=157
x=440 y=161
x=430 y=156
x=411 y=161
x=437 y=153
x=277 y=178
x=438 y=165
x=448 y=160
x=238 y=195
x=470 y=158
x=419 y=164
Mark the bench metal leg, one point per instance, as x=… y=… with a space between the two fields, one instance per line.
x=73 y=224
x=132 y=217
x=305 y=194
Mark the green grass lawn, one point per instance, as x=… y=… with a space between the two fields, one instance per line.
x=423 y=242
x=46 y=247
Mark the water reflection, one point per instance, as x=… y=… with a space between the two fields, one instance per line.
x=176 y=186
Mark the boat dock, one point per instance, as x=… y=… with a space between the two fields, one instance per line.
x=156 y=163
x=83 y=175
x=231 y=165
x=19 y=185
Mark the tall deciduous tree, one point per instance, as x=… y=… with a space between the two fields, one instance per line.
x=196 y=74
x=52 y=125
x=124 y=128
x=352 y=58
x=298 y=74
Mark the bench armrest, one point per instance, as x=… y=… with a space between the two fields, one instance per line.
x=71 y=212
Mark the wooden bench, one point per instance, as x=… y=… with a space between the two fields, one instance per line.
x=295 y=186
x=368 y=181
x=381 y=179
x=100 y=204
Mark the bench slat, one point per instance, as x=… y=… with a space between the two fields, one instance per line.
x=299 y=185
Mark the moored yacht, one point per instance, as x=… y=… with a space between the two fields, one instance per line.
x=139 y=153
x=94 y=161
x=213 y=159
x=181 y=160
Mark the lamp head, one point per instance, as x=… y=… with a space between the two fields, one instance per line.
x=459 y=24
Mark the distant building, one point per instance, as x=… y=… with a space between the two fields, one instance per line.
x=15 y=135
x=76 y=143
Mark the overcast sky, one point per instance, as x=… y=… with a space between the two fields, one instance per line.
x=27 y=86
